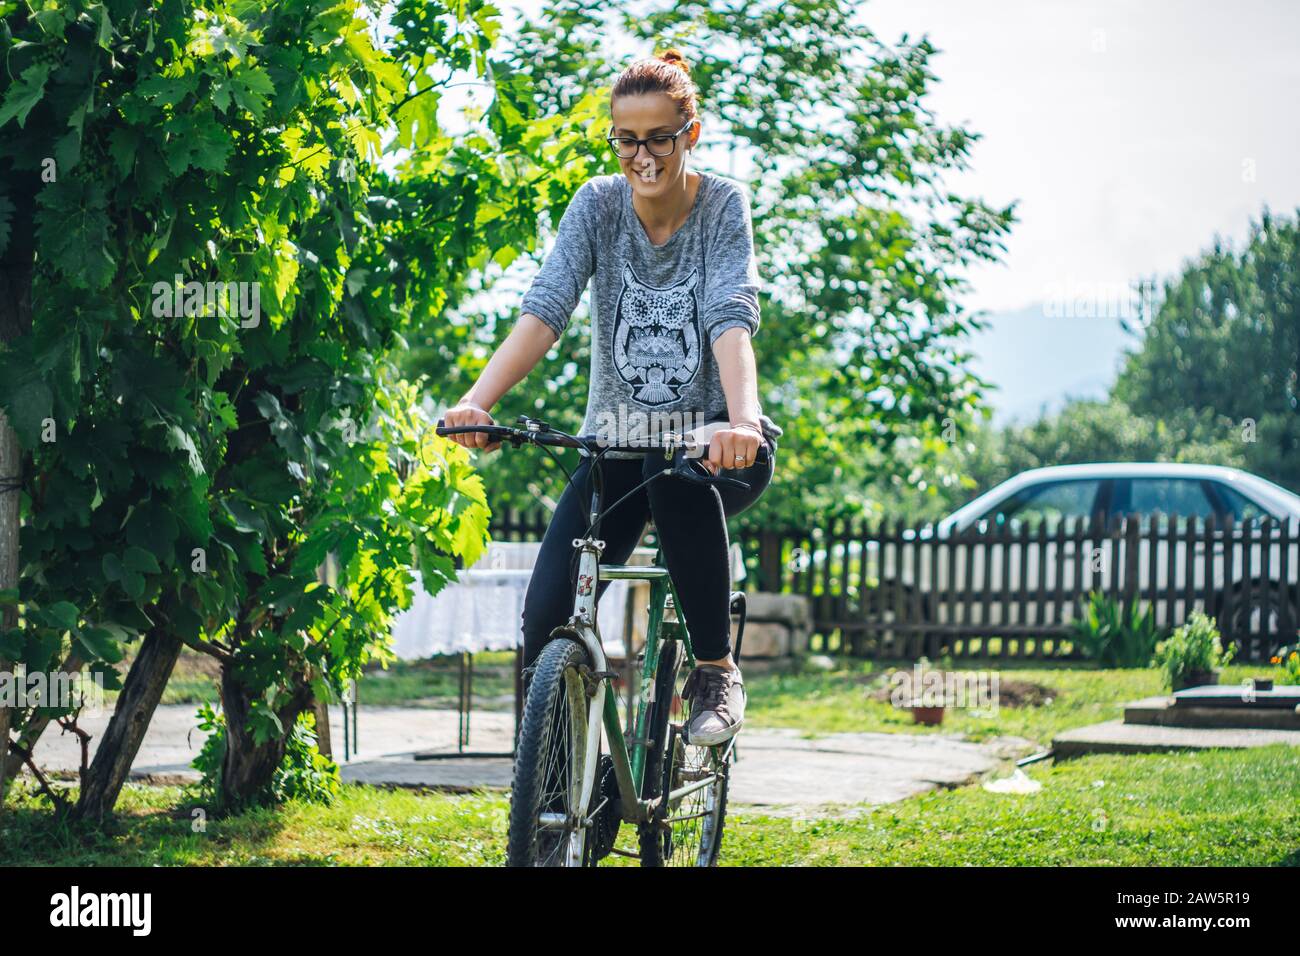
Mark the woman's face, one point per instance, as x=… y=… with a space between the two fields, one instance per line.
x=643 y=116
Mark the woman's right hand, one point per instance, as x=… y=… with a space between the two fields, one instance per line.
x=466 y=414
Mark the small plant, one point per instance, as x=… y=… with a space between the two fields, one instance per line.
x=304 y=773
x=1288 y=664
x=1193 y=649
x=1116 y=636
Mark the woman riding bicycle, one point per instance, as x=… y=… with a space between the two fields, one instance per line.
x=674 y=305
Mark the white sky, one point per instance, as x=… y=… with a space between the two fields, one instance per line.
x=1127 y=129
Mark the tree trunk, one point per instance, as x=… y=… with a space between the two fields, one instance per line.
x=15 y=321
x=323 y=742
x=249 y=767
x=141 y=692
x=10 y=461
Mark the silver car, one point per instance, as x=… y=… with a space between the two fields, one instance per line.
x=1046 y=497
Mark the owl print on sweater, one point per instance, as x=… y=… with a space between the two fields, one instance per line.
x=656 y=338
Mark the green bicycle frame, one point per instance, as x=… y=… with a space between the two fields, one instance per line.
x=630 y=761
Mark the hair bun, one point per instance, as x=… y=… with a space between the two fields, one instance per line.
x=674 y=56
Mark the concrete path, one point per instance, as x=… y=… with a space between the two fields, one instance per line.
x=777 y=771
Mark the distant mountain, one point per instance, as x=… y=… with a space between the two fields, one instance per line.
x=1038 y=360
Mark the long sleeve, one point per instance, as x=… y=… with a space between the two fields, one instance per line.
x=731 y=285
x=559 y=284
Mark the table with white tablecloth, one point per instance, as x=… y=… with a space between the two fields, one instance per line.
x=482 y=611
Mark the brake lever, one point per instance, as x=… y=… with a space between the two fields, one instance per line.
x=683 y=469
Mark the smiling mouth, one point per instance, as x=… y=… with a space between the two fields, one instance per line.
x=648 y=176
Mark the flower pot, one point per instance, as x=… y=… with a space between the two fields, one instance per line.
x=1263 y=683
x=1196 y=678
x=930 y=716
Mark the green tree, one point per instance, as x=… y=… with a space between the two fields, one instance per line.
x=204 y=463
x=1224 y=346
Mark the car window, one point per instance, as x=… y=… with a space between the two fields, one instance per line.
x=1241 y=507
x=1050 y=502
x=1162 y=497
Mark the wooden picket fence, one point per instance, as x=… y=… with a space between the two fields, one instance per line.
x=884 y=590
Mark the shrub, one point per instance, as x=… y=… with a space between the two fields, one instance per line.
x=304 y=773
x=1116 y=636
x=1196 y=646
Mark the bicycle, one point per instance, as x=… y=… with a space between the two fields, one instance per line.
x=653 y=777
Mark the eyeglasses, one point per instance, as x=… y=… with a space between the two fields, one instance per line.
x=663 y=144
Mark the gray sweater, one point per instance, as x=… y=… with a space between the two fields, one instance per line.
x=656 y=310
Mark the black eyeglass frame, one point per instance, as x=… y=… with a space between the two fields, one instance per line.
x=611 y=139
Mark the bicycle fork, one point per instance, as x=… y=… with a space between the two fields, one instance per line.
x=603 y=707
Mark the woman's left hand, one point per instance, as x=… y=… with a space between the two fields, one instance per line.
x=732 y=448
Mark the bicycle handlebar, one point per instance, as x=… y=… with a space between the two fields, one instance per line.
x=538 y=432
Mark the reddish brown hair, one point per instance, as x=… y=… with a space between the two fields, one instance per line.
x=666 y=73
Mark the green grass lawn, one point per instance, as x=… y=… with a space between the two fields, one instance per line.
x=838 y=701
x=1220 y=807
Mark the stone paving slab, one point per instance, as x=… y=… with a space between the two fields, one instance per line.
x=1162 y=710
x=778 y=771
x=1115 y=736
x=782 y=771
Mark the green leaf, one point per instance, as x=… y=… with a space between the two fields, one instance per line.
x=198 y=140
x=104 y=37
x=179 y=440
x=251 y=87
x=67 y=151
x=220 y=95
x=54 y=21
x=110 y=676
x=153 y=527
x=187 y=623
x=122 y=144
x=133 y=585
x=138 y=559
x=168 y=90
x=29 y=407
x=26 y=93
x=63 y=615
x=72 y=228
x=113 y=568
x=101 y=644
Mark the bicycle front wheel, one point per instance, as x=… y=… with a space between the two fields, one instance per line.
x=545 y=812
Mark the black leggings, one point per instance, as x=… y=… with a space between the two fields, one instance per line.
x=692 y=530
